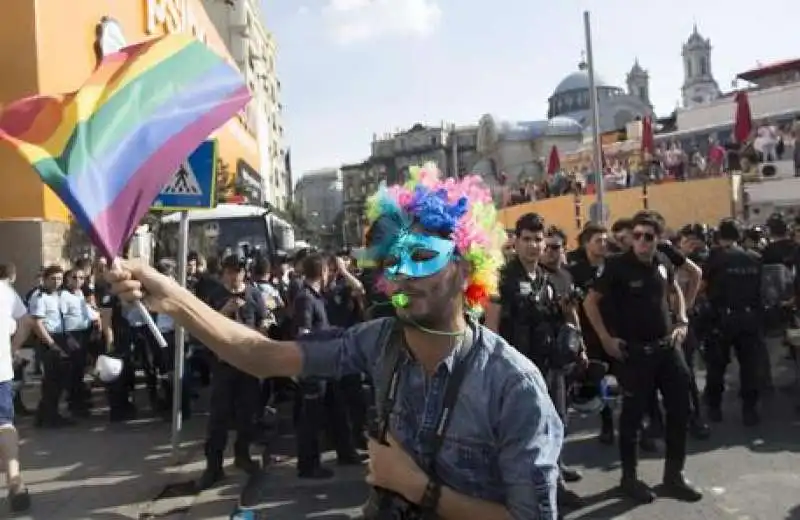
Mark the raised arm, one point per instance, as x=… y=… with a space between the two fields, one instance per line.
x=336 y=354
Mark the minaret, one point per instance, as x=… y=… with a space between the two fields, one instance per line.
x=638 y=81
x=699 y=85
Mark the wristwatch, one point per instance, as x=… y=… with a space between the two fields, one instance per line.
x=430 y=499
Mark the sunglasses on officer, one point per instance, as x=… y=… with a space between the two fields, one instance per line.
x=643 y=235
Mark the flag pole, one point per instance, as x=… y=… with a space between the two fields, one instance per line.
x=597 y=147
x=180 y=345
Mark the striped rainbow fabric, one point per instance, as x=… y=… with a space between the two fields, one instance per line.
x=108 y=149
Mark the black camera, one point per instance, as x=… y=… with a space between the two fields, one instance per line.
x=567 y=347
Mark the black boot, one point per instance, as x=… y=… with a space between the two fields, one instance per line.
x=677 y=486
x=213 y=472
x=606 y=426
x=635 y=489
x=19 y=500
x=698 y=428
x=19 y=407
x=246 y=464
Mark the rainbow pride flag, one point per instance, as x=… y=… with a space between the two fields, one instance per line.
x=108 y=149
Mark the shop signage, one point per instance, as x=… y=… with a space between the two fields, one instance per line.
x=173 y=16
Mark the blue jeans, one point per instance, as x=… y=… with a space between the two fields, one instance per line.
x=6 y=403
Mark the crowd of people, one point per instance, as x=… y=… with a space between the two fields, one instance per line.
x=444 y=358
x=673 y=161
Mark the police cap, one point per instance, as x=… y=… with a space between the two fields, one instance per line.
x=729 y=229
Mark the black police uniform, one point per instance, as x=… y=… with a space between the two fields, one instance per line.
x=530 y=312
x=235 y=395
x=313 y=402
x=638 y=295
x=344 y=309
x=584 y=274
x=120 y=403
x=733 y=278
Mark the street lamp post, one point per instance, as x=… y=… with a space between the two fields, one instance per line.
x=595 y=109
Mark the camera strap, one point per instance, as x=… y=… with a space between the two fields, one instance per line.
x=467 y=351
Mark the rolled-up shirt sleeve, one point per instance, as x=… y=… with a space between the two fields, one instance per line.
x=338 y=352
x=531 y=439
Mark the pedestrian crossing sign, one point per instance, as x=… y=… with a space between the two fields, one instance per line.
x=193 y=186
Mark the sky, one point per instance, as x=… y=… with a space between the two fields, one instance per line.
x=352 y=68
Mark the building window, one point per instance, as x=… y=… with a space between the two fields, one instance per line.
x=703 y=66
x=688 y=68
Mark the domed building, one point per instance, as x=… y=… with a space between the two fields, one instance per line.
x=617 y=106
x=511 y=152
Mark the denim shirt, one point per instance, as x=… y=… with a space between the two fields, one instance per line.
x=504 y=437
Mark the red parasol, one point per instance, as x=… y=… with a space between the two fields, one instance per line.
x=743 y=122
x=648 y=147
x=553 y=161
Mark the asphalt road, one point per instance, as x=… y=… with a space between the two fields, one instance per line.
x=746 y=473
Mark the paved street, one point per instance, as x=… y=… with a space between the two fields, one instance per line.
x=122 y=472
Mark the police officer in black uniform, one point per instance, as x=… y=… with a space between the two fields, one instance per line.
x=781 y=258
x=733 y=286
x=537 y=315
x=638 y=331
x=584 y=263
x=235 y=395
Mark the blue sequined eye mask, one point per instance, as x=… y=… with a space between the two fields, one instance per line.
x=416 y=255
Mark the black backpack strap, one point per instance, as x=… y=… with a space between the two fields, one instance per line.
x=388 y=361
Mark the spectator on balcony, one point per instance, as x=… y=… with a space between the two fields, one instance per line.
x=716 y=157
x=698 y=164
x=766 y=141
x=675 y=161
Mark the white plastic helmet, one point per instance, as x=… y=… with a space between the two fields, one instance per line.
x=108 y=368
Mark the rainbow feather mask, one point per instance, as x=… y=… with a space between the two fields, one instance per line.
x=460 y=209
x=108 y=149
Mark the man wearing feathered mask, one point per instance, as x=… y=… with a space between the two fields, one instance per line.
x=465 y=427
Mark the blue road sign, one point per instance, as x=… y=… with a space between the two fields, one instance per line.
x=194 y=185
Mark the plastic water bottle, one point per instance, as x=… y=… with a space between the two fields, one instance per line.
x=605 y=390
x=243 y=514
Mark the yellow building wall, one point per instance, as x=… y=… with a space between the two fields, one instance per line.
x=704 y=200
x=48 y=47
x=21 y=195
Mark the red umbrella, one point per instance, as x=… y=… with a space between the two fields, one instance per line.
x=647 y=136
x=743 y=122
x=553 y=162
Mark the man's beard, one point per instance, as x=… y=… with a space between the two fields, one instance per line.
x=441 y=302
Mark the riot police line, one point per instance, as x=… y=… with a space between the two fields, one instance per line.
x=741 y=286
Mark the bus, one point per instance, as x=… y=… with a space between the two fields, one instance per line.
x=228 y=229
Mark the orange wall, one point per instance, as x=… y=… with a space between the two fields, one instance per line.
x=22 y=193
x=52 y=51
x=706 y=200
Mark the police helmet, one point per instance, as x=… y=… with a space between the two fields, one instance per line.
x=729 y=229
x=591 y=395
